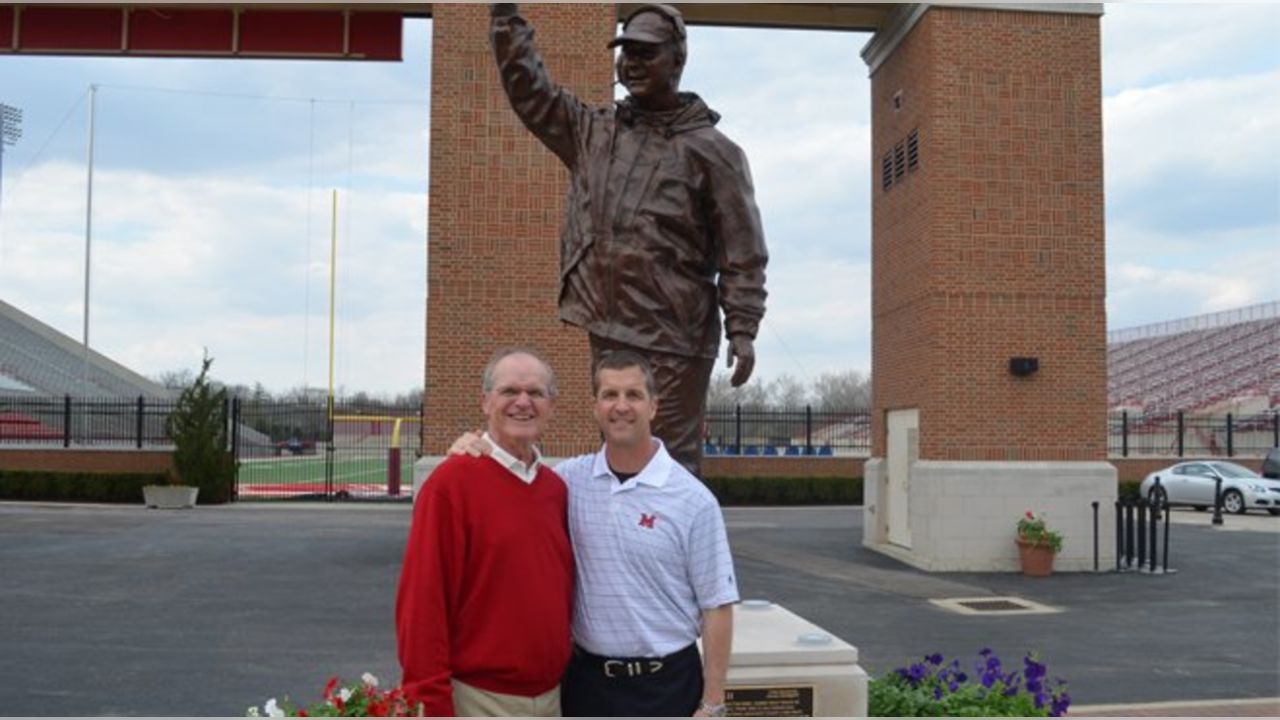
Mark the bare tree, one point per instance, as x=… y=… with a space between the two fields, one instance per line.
x=786 y=391
x=722 y=394
x=845 y=390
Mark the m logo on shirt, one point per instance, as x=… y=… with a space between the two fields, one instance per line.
x=647 y=520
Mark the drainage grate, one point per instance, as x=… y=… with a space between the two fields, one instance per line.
x=994 y=606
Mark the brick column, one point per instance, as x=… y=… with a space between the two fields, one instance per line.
x=496 y=199
x=988 y=245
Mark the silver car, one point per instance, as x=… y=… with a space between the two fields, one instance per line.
x=1192 y=483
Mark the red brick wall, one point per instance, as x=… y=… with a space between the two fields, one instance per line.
x=496 y=199
x=994 y=247
x=95 y=461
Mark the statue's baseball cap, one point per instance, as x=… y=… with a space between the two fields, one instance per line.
x=655 y=24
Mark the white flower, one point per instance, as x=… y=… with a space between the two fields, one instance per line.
x=272 y=709
x=252 y=712
x=345 y=694
x=369 y=679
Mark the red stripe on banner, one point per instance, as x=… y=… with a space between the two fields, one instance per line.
x=376 y=36
x=287 y=32
x=177 y=30
x=71 y=29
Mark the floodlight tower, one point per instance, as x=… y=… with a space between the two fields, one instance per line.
x=10 y=133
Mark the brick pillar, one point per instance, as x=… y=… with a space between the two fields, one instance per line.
x=496 y=200
x=987 y=245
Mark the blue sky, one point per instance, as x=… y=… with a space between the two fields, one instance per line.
x=213 y=178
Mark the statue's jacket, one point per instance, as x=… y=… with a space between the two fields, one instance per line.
x=660 y=218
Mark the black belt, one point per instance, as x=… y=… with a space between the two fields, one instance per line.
x=634 y=666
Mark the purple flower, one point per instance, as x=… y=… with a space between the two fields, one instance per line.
x=1034 y=669
x=937 y=693
x=984 y=652
x=1059 y=706
x=934 y=659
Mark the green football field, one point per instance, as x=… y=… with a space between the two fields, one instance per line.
x=358 y=474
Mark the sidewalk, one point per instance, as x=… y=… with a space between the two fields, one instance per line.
x=1265 y=707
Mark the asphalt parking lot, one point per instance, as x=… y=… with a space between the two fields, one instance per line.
x=127 y=611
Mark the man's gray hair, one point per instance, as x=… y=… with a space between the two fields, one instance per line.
x=500 y=354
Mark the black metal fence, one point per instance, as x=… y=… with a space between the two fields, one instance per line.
x=94 y=422
x=1191 y=435
x=799 y=431
x=272 y=429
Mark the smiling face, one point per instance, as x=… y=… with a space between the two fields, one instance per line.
x=624 y=407
x=650 y=71
x=519 y=405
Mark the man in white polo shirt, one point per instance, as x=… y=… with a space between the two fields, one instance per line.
x=654 y=570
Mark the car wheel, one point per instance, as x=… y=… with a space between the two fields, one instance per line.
x=1233 y=502
x=1273 y=511
x=1158 y=497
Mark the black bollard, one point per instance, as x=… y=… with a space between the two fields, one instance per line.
x=1095 y=536
x=1166 y=542
x=1142 y=532
x=1119 y=533
x=1155 y=522
x=1217 y=501
x=1128 y=534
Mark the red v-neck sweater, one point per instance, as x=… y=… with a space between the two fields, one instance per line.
x=486 y=589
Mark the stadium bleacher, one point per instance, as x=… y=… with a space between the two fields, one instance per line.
x=38 y=360
x=1197 y=364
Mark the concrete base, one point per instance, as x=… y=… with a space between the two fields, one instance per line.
x=963 y=515
x=785 y=666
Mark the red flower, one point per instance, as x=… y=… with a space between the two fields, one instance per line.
x=330 y=686
x=1030 y=515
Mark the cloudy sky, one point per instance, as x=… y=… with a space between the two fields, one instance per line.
x=213 y=181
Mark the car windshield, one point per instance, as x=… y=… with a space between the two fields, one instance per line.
x=1234 y=471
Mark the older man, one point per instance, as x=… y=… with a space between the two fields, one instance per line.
x=661 y=231
x=654 y=570
x=484 y=605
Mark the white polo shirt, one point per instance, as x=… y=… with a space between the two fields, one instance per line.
x=650 y=553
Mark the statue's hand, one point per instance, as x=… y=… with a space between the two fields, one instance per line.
x=742 y=351
x=503 y=9
x=472 y=444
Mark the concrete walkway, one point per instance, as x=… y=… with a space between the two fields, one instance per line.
x=125 y=611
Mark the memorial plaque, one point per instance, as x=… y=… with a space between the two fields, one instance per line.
x=770 y=701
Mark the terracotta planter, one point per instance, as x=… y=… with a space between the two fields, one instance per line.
x=1037 y=560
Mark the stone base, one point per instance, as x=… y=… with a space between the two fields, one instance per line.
x=963 y=515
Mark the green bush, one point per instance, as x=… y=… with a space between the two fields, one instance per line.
x=76 y=486
x=1129 y=489
x=786 y=490
x=198 y=428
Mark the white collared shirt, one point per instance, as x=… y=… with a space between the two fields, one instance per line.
x=527 y=473
x=651 y=554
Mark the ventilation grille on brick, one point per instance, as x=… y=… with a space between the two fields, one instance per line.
x=903 y=158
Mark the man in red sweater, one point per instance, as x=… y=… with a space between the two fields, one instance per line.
x=486 y=588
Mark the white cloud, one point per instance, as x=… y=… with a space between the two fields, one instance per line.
x=1216 y=126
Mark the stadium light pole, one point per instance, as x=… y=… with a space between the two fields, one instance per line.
x=10 y=133
x=88 y=238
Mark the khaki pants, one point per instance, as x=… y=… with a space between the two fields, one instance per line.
x=470 y=701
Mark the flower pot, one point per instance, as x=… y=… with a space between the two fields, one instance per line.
x=169 y=497
x=1037 y=560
